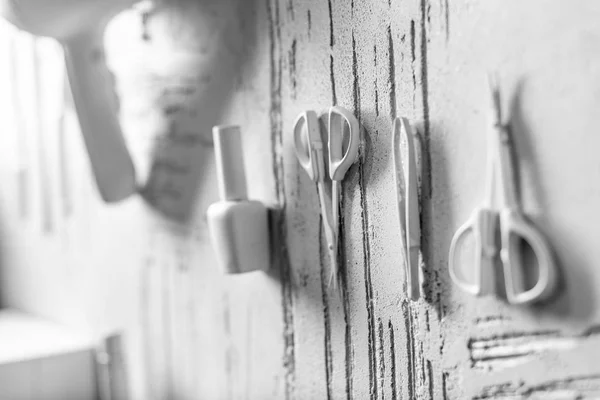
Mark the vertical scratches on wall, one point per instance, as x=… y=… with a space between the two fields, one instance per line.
x=441 y=309
x=381 y=353
x=332 y=79
x=331 y=63
x=326 y=317
x=393 y=383
x=424 y=78
x=355 y=85
x=445 y=7
x=445 y=386
x=275 y=106
x=413 y=58
x=422 y=364
x=348 y=346
x=433 y=279
x=289 y=361
x=368 y=284
x=392 y=72
x=309 y=22
x=292 y=72
x=375 y=81
x=425 y=99
x=281 y=259
x=344 y=277
x=430 y=379
x=331 y=36
x=365 y=238
x=290 y=9
x=410 y=351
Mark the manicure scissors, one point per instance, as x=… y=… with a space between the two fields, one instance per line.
x=408 y=203
x=343 y=131
x=509 y=221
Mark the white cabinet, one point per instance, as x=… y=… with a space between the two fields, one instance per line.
x=40 y=360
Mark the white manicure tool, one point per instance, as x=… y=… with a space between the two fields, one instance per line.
x=506 y=219
x=408 y=203
x=343 y=129
x=79 y=25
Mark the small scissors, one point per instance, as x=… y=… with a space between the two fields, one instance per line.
x=408 y=203
x=343 y=130
x=508 y=219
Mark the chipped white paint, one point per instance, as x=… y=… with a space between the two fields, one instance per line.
x=147 y=267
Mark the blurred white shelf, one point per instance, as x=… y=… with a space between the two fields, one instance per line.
x=25 y=337
x=42 y=360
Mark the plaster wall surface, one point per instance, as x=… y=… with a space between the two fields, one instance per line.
x=145 y=267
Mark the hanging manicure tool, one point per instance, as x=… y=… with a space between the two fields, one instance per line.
x=343 y=130
x=506 y=219
x=408 y=203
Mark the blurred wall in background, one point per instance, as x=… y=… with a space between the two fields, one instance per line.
x=145 y=267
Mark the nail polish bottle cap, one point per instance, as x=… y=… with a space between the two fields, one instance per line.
x=230 y=162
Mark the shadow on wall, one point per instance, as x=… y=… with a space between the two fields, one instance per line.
x=574 y=295
x=212 y=44
x=435 y=171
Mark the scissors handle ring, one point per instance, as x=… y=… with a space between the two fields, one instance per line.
x=514 y=226
x=482 y=225
x=309 y=145
x=340 y=161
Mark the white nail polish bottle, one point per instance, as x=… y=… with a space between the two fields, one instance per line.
x=238 y=227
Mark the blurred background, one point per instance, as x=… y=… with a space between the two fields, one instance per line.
x=125 y=301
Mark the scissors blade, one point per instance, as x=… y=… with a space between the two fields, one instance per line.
x=330 y=225
x=496 y=104
x=502 y=163
x=342 y=124
x=336 y=190
x=333 y=249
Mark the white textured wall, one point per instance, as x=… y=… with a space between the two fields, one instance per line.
x=192 y=333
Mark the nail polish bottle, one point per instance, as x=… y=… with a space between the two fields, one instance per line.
x=238 y=227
